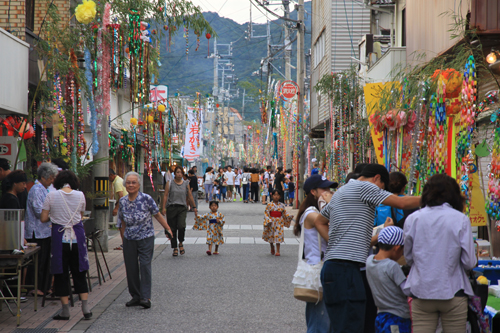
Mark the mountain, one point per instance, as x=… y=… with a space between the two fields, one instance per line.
x=195 y=73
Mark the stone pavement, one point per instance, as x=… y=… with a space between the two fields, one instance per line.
x=244 y=289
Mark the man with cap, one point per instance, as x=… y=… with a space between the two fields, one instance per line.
x=346 y=222
x=387 y=281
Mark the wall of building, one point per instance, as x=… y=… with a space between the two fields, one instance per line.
x=427 y=27
x=13 y=18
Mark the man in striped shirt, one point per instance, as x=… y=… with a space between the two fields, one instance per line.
x=347 y=222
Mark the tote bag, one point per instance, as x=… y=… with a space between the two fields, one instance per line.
x=307 y=278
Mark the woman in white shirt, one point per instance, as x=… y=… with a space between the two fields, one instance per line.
x=317 y=189
x=245 y=183
x=208 y=181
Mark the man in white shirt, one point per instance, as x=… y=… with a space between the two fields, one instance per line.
x=230 y=176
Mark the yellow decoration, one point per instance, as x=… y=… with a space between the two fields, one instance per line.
x=161 y=108
x=482 y=280
x=151 y=119
x=85 y=12
x=133 y=121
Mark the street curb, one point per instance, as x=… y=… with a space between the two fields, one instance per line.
x=99 y=309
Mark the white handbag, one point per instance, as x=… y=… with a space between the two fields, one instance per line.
x=307 y=278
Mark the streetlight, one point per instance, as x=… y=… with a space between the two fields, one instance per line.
x=492 y=56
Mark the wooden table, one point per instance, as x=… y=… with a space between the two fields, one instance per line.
x=29 y=256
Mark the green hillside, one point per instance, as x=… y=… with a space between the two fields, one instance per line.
x=188 y=75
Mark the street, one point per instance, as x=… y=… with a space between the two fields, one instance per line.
x=244 y=289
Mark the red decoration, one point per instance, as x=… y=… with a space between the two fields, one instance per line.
x=217 y=105
x=208 y=37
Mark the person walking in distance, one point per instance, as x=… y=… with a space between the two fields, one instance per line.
x=208 y=182
x=230 y=176
x=245 y=183
x=176 y=198
x=237 y=184
x=266 y=182
x=254 y=177
x=193 y=183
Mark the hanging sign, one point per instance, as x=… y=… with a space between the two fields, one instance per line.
x=192 y=144
x=288 y=90
x=158 y=93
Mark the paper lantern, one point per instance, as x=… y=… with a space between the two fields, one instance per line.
x=208 y=37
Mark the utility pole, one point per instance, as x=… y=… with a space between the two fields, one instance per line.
x=243 y=105
x=216 y=70
x=300 y=82
x=288 y=49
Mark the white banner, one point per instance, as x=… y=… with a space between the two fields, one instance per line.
x=192 y=144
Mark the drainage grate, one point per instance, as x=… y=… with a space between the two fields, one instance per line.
x=35 y=330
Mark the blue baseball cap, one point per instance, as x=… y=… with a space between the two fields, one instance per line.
x=391 y=236
x=318 y=181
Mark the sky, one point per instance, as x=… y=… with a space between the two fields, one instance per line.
x=238 y=10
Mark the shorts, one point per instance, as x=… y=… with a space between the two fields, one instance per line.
x=291 y=194
x=387 y=322
x=230 y=188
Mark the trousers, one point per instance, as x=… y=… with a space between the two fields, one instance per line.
x=208 y=191
x=317 y=318
x=344 y=295
x=176 y=219
x=246 y=187
x=138 y=255
x=44 y=278
x=195 y=198
x=70 y=261
x=425 y=314
x=255 y=191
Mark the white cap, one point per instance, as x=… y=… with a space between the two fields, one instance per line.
x=314 y=160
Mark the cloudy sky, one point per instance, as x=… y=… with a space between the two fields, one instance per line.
x=237 y=10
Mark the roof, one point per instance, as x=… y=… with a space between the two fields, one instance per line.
x=233 y=110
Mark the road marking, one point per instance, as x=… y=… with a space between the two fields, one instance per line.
x=227 y=240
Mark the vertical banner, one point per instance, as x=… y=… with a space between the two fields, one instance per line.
x=192 y=143
x=477 y=214
x=372 y=97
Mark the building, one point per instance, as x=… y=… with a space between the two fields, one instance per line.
x=337 y=27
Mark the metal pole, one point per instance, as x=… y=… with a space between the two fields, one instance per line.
x=300 y=101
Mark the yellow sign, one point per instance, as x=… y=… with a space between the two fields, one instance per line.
x=372 y=96
x=478 y=215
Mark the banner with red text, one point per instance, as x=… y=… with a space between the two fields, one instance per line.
x=193 y=143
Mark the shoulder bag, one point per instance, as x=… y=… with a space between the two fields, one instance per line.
x=307 y=278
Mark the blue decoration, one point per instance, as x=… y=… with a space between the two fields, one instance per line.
x=93 y=119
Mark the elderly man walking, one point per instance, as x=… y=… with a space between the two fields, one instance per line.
x=135 y=212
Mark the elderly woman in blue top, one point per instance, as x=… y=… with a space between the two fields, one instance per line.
x=35 y=231
x=135 y=211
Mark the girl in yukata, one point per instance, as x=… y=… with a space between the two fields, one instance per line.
x=211 y=222
x=275 y=218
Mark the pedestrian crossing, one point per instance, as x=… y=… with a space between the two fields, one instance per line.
x=161 y=238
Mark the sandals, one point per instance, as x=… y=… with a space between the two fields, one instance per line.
x=175 y=253
x=209 y=253
x=182 y=249
x=272 y=250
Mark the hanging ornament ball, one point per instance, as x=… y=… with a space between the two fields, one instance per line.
x=133 y=121
x=217 y=105
x=258 y=131
x=127 y=50
x=140 y=123
x=161 y=108
x=165 y=27
x=154 y=31
x=176 y=94
x=151 y=119
x=160 y=9
x=85 y=12
x=208 y=35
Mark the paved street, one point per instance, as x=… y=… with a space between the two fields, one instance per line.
x=244 y=289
